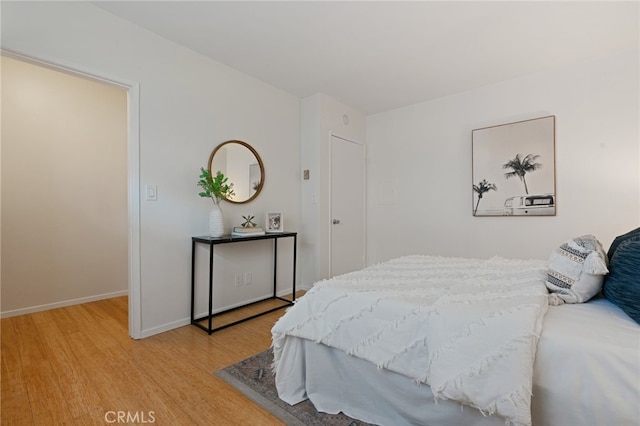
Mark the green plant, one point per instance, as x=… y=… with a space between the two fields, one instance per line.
x=216 y=187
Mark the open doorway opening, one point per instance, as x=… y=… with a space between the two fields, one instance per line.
x=67 y=230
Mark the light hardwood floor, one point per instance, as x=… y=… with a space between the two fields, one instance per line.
x=78 y=366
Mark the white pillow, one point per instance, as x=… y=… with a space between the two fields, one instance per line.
x=576 y=270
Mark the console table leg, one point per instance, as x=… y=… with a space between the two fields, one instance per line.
x=275 y=266
x=193 y=280
x=295 y=249
x=210 y=287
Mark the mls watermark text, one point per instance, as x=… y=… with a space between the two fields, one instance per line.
x=130 y=417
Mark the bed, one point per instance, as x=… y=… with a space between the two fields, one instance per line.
x=428 y=340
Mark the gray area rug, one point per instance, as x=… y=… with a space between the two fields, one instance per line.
x=254 y=378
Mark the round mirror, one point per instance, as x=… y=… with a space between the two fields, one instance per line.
x=239 y=162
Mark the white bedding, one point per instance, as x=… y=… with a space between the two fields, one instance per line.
x=587 y=369
x=600 y=385
x=467 y=327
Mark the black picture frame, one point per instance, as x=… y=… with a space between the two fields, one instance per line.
x=513 y=169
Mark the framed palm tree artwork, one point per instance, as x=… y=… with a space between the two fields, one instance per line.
x=514 y=172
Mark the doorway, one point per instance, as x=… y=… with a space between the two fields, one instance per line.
x=347 y=206
x=66 y=187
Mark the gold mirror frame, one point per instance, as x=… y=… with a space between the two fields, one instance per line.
x=258 y=159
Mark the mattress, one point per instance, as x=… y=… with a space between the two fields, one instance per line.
x=586 y=372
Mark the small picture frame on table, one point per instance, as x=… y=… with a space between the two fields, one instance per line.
x=274 y=222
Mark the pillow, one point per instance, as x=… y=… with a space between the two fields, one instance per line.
x=576 y=270
x=622 y=286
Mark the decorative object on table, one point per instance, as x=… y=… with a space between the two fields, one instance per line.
x=247 y=231
x=248 y=221
x=274 y=222
x=217 y=189
x=524 y=150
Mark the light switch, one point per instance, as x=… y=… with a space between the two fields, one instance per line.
x=151 y=192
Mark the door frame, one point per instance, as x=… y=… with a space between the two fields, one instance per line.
x=330 y=201
x=133 y=173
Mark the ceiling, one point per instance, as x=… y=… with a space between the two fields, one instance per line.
x=376 y=56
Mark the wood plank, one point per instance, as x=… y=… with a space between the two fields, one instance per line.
x=15 y=407
x=76 y=365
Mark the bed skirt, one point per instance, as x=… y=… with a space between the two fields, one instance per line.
x=336 y=382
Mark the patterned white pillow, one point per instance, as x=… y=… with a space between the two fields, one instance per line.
x=576 y=270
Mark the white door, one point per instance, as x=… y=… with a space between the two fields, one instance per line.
x=347 y=206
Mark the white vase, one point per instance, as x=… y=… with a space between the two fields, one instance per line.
x=216 y=221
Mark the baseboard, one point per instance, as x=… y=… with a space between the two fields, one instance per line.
x=164 y=327
x=305 y=287
x=62 y=304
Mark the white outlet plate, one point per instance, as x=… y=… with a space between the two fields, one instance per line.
x=247 y=278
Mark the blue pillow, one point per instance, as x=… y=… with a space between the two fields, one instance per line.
x=622 y=285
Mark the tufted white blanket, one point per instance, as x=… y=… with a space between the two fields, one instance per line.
x=467 y=327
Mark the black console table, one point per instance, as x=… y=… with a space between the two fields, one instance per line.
x=227 y=239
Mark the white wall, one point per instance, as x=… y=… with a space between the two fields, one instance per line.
x=64 y=189
x=321 y=116
x=419 y=198
x=188 y=105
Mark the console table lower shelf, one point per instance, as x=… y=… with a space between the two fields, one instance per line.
x=213 y=241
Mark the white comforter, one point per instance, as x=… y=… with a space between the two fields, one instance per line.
x=467 y=327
